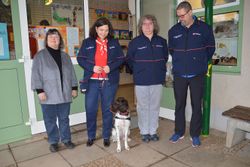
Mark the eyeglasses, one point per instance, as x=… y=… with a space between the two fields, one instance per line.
x=183 y=15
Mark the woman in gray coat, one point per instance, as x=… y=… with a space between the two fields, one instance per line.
x=53 y=78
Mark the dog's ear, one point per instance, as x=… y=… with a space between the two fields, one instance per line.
x=114 y=107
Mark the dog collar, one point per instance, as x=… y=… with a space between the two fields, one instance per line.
x=123 y=118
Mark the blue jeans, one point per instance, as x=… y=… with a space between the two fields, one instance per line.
x=52 y=112
x=99 y=91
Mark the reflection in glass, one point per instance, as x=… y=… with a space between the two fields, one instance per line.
x=198 y=4
x=226 y=32
x=66 y=16
x=7 y=47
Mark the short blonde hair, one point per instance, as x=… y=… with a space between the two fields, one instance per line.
x=148 y=17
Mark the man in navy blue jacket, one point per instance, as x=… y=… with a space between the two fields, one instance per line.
x=191 y=44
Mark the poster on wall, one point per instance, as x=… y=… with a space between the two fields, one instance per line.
x=73 y=40
x=70 y=36
x=4 y=47
x=65 y=14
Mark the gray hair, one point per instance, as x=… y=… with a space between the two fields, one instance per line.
x=184 y=5
x=148 y=17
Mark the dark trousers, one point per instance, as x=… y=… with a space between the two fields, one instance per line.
x=105 y=92
x=196 y=86
x=52 y=112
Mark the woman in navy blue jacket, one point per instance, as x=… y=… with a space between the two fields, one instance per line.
x=100 y=56
x=147 y=57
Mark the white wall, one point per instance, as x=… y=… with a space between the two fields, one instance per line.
x=163 y=11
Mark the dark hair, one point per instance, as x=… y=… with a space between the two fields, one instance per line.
x=44 y=22
x=54 y=31
x=98 y=23
x=121 y=104
x=148 y=17
x=184 y=5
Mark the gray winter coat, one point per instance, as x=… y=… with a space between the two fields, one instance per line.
x=46 y=75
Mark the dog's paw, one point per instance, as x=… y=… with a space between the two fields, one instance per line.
x=118 y=150
x=127 y=148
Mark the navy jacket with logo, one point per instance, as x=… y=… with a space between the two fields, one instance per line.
x=191 y=48
x=148 y=59
x=86 y=59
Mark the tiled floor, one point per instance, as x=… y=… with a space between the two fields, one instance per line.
x=34 y=152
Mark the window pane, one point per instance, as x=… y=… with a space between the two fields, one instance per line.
x=7 y=47
x=226 y=37
x=66 y=16
x=198 y=4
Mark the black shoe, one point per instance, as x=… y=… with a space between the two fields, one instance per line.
x=69 y=145
x=106 y=142
x=90 y=142
x=154 y=137
x=53 y=148
x=145 y=138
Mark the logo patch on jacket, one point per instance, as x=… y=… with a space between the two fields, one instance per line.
x=90 y=47
x=143 y=47
x=158 y=46
x=196 y=33
x=177 y=36
x=112 y=47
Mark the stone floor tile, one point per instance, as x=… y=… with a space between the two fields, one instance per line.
x=79 y=138
x=233 y=162
x=244 y=153
x=4 y=147
x=165 y=125
x=169 y=163
x=107 y=161
x=113 y=145
x=166 y=147
x=81 y=155
x=80 y=127
x=139 y=156
x=211 y=153
x=50 y=160
x=6 y=158
x=31 y=150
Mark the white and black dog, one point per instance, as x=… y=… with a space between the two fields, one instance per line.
x=121 y=122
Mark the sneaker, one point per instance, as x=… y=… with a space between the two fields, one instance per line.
x=145 y=138
x=175 y=138
x=196 y=141
x=69 y=145
x=154 y=137
x=53 y=148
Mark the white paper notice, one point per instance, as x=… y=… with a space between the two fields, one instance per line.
x=1 y=47
x=71 y=50
x=72 y=36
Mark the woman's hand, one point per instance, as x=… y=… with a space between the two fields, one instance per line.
x=42 y=96
x=74 y=93
x=98 y=69
x=106 y=69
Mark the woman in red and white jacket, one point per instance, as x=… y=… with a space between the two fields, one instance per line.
x=100 y=56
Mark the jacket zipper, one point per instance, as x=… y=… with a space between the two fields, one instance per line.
x=186 y=43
